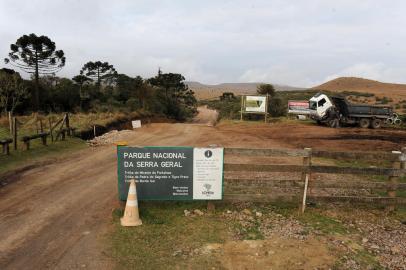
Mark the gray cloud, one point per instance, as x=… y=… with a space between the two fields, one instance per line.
x=299 y=43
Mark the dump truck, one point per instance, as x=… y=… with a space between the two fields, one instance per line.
x=337 y=111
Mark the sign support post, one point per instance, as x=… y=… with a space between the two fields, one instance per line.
x=242 y=106
x=266 y=107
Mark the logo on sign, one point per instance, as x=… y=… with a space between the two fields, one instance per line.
x=208 y=153
x=207 y=192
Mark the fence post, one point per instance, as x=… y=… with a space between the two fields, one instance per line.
x=61 y=128
x=10 y=122
x=393 y=181
x=402 y=159
x=6 y=149
x=15 y=132
x=307 y=162
x=67 y=124
x=50 y=129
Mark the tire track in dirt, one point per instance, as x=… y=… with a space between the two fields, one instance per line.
x=55 y=216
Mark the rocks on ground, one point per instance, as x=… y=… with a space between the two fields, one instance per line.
x=267 y=224
x=107 y=138
x=193 y=213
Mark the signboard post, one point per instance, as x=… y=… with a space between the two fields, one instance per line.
x=171 y=173
x=254 y=105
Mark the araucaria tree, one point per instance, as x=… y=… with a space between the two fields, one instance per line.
x=266 y=89
x=176 y=99
x=36 y=55
x=101 y=73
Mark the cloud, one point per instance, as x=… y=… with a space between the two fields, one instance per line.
x=286 y=42
x=375 y=71
x=277 y=75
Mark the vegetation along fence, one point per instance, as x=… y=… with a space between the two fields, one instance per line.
x=313 y=175
x=20 y=132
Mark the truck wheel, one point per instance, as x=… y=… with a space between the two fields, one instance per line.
x=364 y=123
x=376 y=123
x=334 y=123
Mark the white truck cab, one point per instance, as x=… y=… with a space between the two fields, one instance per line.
x=319 y=104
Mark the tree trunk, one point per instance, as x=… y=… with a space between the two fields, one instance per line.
x=80 y=97
x=98 y=79
x=36 y=94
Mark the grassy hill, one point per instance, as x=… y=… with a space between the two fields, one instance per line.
x=206 y=91
x=393 y=91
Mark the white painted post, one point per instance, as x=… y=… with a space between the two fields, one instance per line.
x=305 y=193
x=307 y=162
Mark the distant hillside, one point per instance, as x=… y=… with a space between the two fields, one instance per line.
x=397 y=92
x=206 y=91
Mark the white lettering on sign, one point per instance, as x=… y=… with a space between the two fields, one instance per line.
x=147 y=164
x=147 y=155
x=137 y=155
x=169 y=155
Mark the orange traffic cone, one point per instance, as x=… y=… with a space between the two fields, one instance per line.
x=131 y=216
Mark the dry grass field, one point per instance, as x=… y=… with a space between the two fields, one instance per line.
x=396 y=92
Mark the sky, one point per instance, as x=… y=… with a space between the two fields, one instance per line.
x=295 y=42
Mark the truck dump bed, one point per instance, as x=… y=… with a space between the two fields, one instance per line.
x=348 y=109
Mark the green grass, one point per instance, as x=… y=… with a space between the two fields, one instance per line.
x=322 y=223
x=364 y=259
x=167 y=238
x=39 y=153
x=251 y=231
x=29 y=125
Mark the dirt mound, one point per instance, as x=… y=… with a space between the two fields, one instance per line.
x=391 y=90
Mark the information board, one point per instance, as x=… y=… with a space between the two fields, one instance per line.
x=298 y=107
x=255 y=104
x=171 y=173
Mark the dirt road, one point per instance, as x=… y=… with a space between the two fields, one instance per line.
x=55 y=216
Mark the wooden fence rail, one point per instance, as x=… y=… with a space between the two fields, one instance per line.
x=314 y=153
x=265 y=188
x=295 y=183
x=19 y=132
x=313 y=168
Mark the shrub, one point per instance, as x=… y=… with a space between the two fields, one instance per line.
x=277 y=107
x=132 y=104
